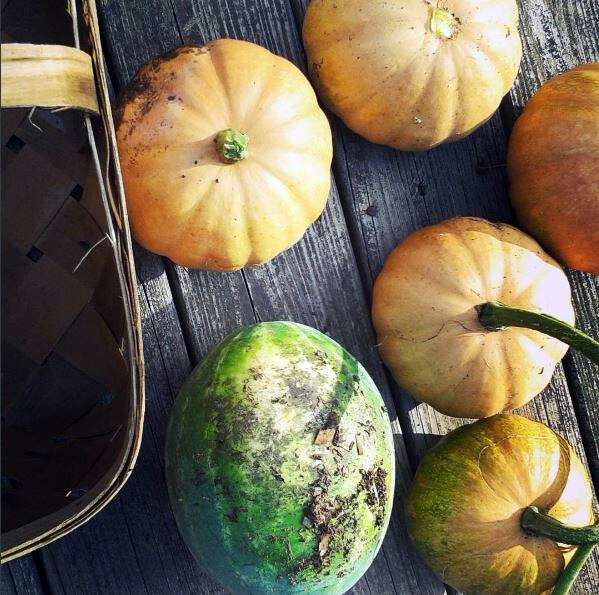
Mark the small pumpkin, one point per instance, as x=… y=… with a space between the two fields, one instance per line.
x=553 y=167
x=412 y=74
x=469 y=507
x=425 y=311
x=225 y=155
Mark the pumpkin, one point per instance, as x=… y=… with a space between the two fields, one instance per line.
x=412 y=74
x=472 y=494
x=553 y=167
x=280 y=462
x=425 y=312
x=225 y=155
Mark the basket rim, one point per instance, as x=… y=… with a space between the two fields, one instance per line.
x=18 y=542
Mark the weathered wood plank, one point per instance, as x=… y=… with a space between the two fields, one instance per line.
x=387 y=194
x=583 y=376
x=21 y=577
x=133 y=545
x=136 y=32
x=316 y=282
x=556 y=37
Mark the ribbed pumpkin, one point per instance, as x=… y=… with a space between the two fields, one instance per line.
x=465 y=508
x=225 y=155
x=412 y=74
x=425 y=314
x=553 y=165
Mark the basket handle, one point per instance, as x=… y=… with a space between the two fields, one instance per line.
x=47 y=76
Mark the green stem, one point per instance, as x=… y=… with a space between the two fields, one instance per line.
x=540 y=524
x=232 y=145
x=443 y=24
x=494 y=316
x=570 y=573
x=536 y=522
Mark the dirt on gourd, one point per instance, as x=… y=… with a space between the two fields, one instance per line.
x=334 y=519
x=142 y=88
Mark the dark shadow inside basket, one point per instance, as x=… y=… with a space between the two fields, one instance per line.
x=67 y=405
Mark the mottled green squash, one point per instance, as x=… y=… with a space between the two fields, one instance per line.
x=280 y=462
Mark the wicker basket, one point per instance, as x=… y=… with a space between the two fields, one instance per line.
x=72 y=360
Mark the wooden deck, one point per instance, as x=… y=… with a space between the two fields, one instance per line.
x=379 y=195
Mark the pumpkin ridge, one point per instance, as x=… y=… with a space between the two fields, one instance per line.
x=395 y=72
x=193 y=100
x=300 y=201
x=290 y=185
x=279 y=215
x=215 y=58
x=489 y=59
x=490 y=52
x=456 y=285
x=466 y=124
x=364 y=101
x=451 y=96
x=305 y=112
x=258 y=100
x=478 y=355
x=509 y=379
x=431 y=135
x=250 y=235
x=411 y=108
x=479 y=268
x=184 y=229
x=534 y=281
x=496 y=444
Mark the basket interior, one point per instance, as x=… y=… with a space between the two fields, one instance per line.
x=66 y=404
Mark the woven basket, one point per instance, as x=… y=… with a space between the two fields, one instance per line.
x=72 y=360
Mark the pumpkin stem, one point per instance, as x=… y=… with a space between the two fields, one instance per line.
x=494 y=316
x=574 y=566
x=232 y=145
x=540 y=524
x=443 y=24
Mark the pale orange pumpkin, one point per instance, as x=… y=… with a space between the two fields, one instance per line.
x=410 y=73
x=553 y=165
x=225 y=155
x=425 y=314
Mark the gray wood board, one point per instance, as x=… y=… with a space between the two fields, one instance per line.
x=210 y=305
x=316 y=282
x=556 y=37
x=133 y=545
x=21 y=576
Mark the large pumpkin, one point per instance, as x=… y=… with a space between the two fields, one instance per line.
x=553 y=166
x=465 y=507
x=225 y=155
x=425 y=314
x=280 y=463
x=412 y=74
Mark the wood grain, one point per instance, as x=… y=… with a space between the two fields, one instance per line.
x=316 y=282
x=556 y=37
x=379 y=196
x=21 y=576
x=133 y=545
